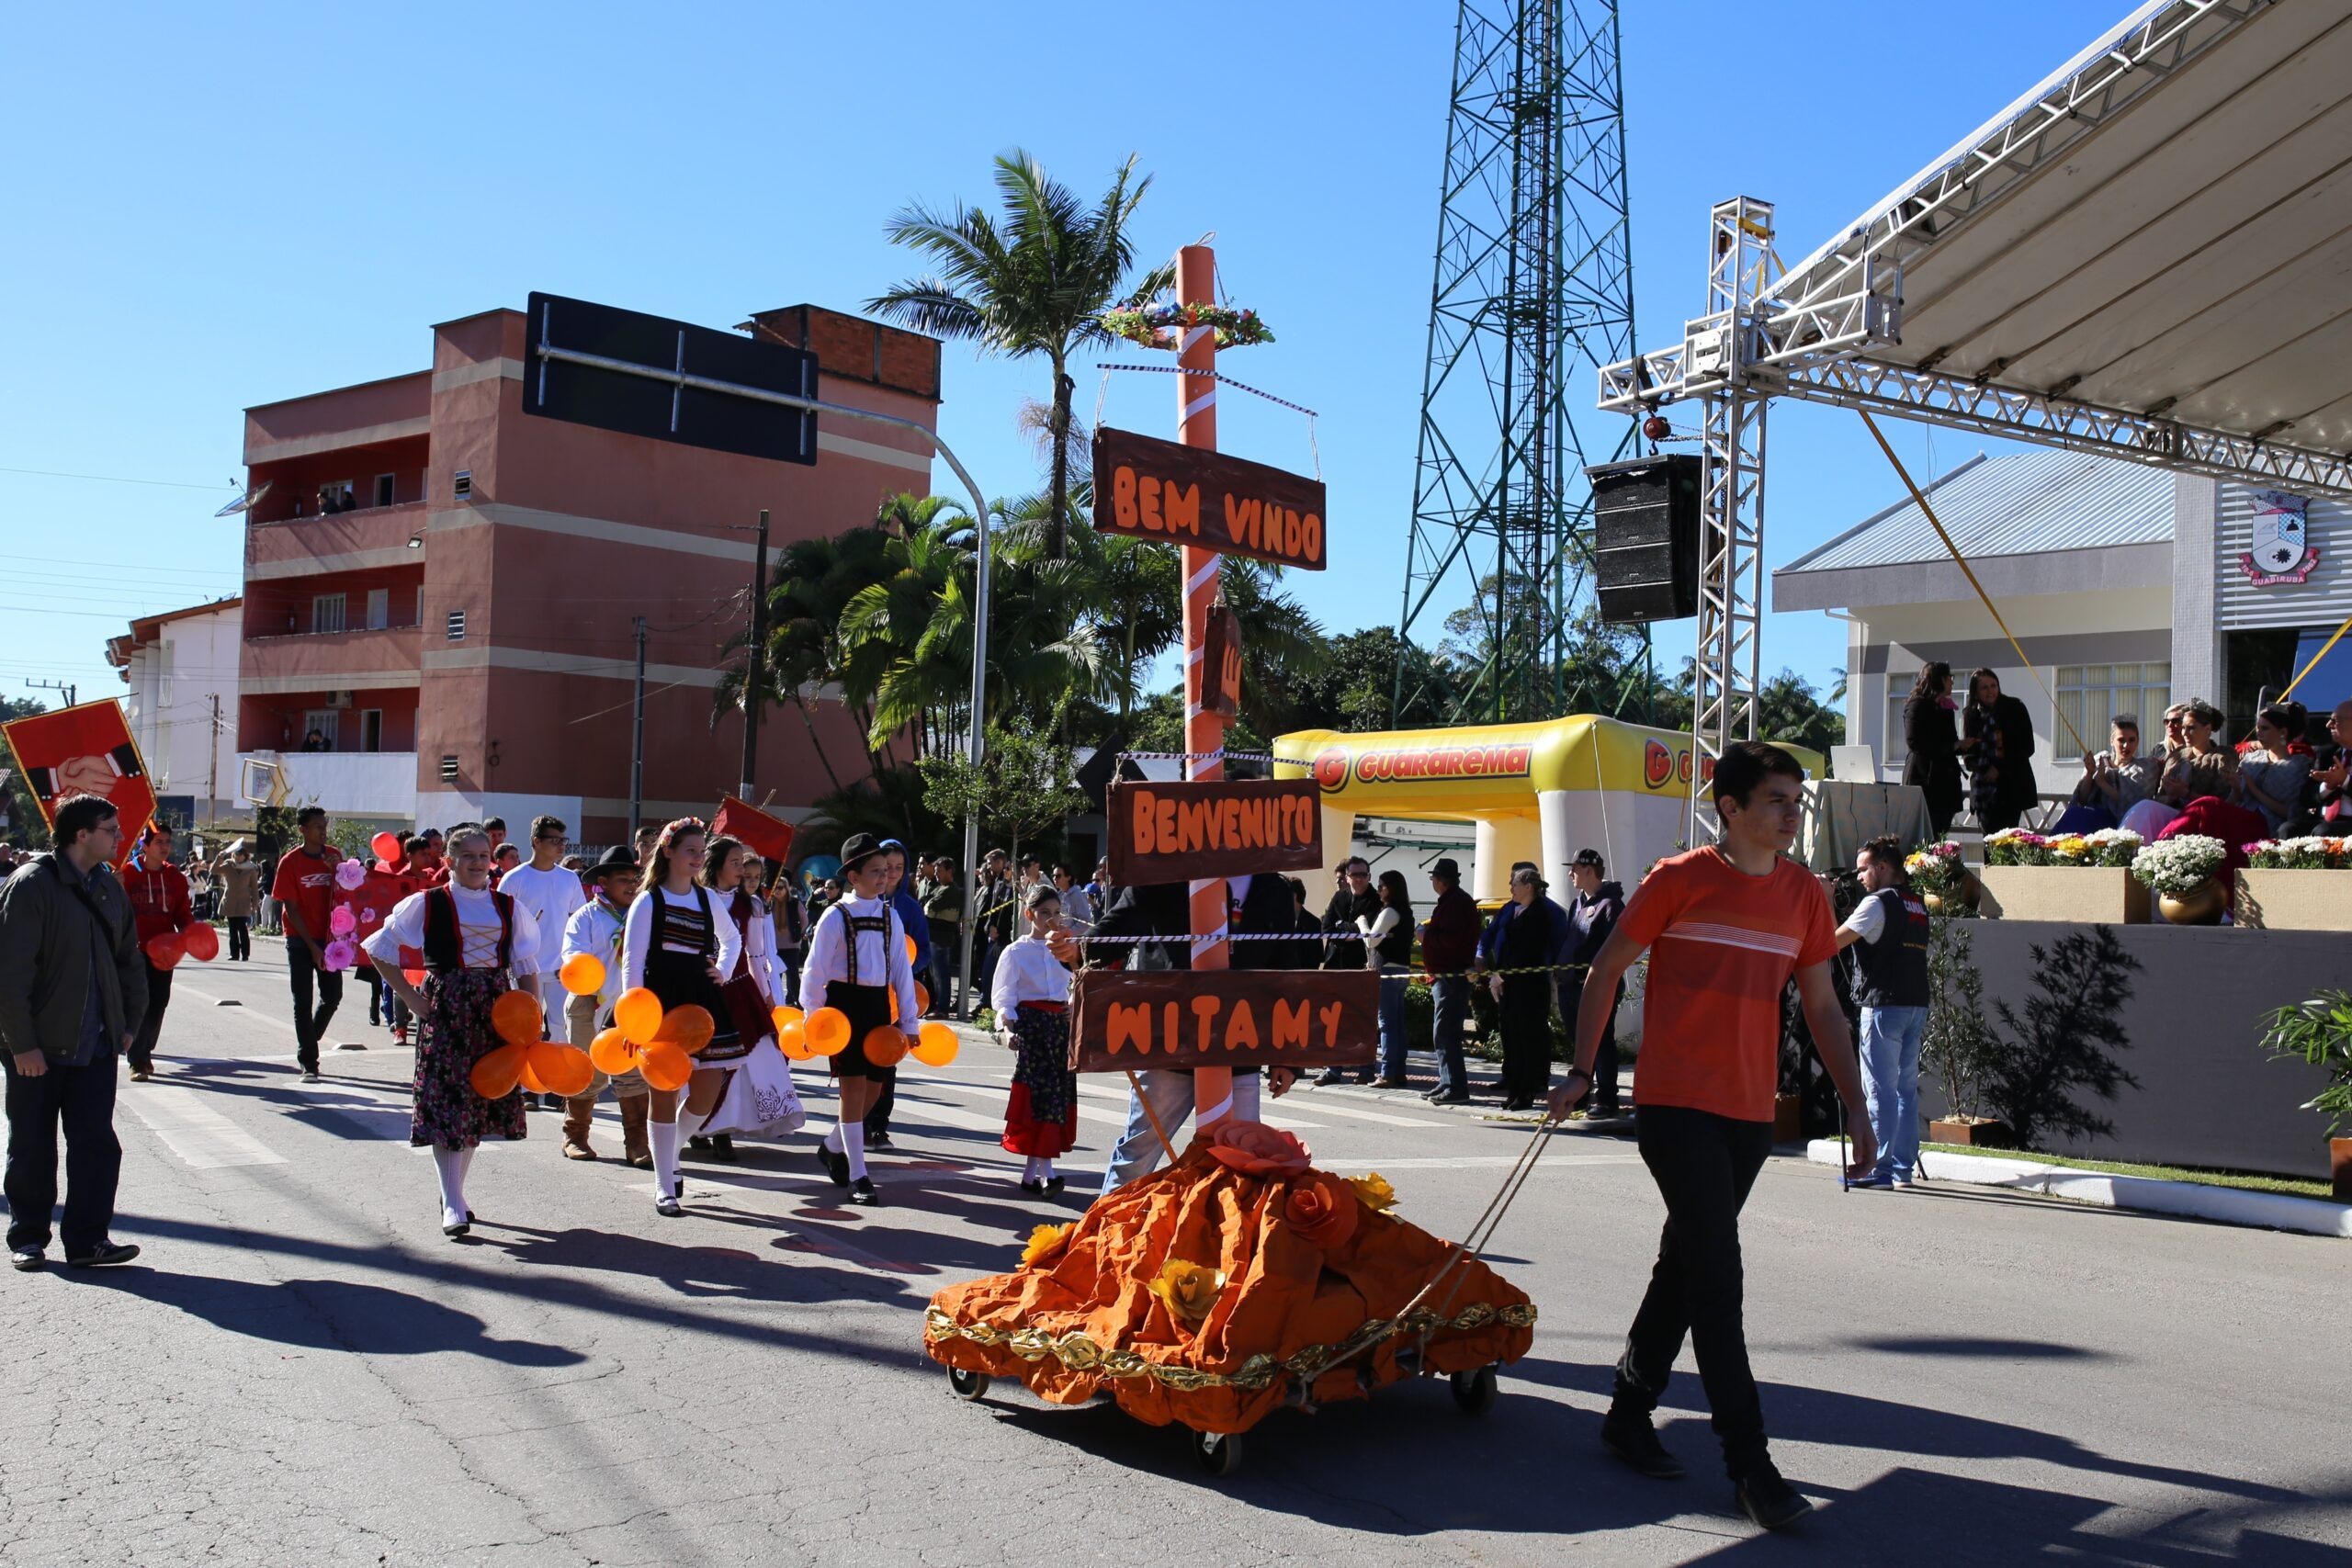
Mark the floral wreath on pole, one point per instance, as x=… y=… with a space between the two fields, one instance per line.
x=1164 y=323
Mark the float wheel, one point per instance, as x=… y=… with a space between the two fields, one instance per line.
x=968 y=1385
x=1475 y=1390
x=1219 y=1452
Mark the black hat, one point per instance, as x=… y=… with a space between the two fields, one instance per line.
x=857 y=849
x=1445 y=867
x=617 y=858
x=1590 y=857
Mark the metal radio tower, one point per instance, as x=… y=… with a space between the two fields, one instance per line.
x=1534 y=290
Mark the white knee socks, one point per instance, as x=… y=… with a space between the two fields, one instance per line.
x=834 y=1138
x=689 y=1122
x=451 y=1164
x=664 y=1137
x=852 y=1137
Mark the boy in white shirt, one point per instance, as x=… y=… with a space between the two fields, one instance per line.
x=595 y=930
x=545 y=895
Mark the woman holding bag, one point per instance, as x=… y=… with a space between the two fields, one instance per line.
x=1031 y=995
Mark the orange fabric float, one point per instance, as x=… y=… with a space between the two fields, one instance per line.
x=1241 y=1204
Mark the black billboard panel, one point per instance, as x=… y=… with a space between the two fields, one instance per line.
x=652 y=399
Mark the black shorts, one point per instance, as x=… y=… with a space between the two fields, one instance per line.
x=867 y=1008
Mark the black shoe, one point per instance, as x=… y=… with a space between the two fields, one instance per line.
x=1392 y=1083
x=1769 y=1501
x=454 y=1232
x=1035 y=1189
x=1448 y=1097
x=722 y=1147
x=26 y=1260
x=1632 y=1441
x=836 y=1165
x=108 y=1252
x=697 y=1143
x=1330 y=1076
x=1054 y=1185
x=863 y=1193
x=669 y=1208
x=878 y=1141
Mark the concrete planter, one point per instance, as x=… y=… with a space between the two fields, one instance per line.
x=1970 y=1131
x=2277 y=900
x=2077 y=895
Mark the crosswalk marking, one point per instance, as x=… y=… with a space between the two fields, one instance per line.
x=204 y=1138
x=1354 y=1114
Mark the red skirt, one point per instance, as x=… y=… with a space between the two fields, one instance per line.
x=1041 y=1117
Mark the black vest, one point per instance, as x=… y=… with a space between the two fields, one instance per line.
x=444 y=944
x=1894 y=969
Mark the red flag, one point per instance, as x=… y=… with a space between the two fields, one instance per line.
x=769 y=837
x=84 y=749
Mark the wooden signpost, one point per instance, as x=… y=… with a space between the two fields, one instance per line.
x=1194 y=495
x=1224 y=1018
x=1190 y=832
x=1221 y=664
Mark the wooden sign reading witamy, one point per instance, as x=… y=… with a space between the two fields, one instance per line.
x=1185 y=832
x=1224 y=1018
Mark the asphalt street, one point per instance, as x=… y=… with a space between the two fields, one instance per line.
x=303 y=1370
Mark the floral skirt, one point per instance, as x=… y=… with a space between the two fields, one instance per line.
x=456 y=1033
x=1041 y=1120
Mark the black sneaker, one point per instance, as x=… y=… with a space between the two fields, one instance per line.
x=1330 y=1076
x=26 y=1260
x=309 y=1075
x=1768 y=1501
x=722 y=1147
x=1632 y=1441
x=877 y=1140
x=108 y=1252
x=1450 y=1097
x=698 y=1145
x=863 y=1193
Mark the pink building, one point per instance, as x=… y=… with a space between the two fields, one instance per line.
x=441 y=589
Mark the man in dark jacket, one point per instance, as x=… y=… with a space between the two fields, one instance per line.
x=73 y=990
x=1449 y=947
x=1592 y=915
x=1354 y=899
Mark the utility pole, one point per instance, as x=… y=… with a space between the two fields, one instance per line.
x=67 y=687
x=756 y=662
x=637 y=744
x=212 y=775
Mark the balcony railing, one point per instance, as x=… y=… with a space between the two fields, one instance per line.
x=331 y=661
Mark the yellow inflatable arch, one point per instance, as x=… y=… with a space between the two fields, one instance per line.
x=1534 y=792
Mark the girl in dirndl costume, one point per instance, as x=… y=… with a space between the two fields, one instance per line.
x=474 y=945
x=1031 y=996
x=678 y=943
x=857 y=960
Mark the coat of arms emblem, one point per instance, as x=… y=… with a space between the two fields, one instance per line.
x=2280 y=550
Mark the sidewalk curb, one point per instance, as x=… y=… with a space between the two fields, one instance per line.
x=2189 y=1200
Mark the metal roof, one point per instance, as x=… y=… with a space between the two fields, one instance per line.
x=2163 y=227
x=2007 y=506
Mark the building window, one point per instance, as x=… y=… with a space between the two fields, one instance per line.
x=463 y=484
x=448 y=767
x=383 y=489
x=324 y=723
x=327 y=612
x=379 y=608
x=372 y=729
x=2091 y=695
x=166 y=656
x=456 y=625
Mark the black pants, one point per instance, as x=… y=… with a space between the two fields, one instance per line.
x=375 y=994
x=1527 y=1036
x=1704 y=1165
x=80 y=1100
x=886 y=1100
x=1604 y=1061
x=241 y=940
x=159 y=996
x=308 y=1025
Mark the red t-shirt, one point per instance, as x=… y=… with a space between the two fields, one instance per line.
x=306 y=882
x=1723 y=946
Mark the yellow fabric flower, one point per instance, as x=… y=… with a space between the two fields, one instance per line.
x=1189 y=1288
x=1043 y=1241
x=1377 y=1195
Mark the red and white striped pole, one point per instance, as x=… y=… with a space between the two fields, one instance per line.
x=1204 y=730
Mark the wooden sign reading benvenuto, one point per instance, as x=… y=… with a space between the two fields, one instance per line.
x=1187 y=495
x=1185 y=832
x=1224 y=1018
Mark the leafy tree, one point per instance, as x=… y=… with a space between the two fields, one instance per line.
x=2061 y=1043
x=1034 y=282
x=1356 y=688
x=25 y=823
x=1959 y=1047
x=888 y=803
x=1788 y=709
x=1022 y=786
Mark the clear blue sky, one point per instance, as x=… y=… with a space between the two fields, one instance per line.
x=215 y=208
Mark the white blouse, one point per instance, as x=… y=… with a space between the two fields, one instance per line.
x=1373 y=929
x=881 y=957
x=1027 y=971
x=637 y=935
x=479 y=928
x=595 y=929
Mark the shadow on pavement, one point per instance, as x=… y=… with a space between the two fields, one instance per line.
x=1990 y=1350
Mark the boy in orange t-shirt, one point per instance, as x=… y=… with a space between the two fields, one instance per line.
x=1727 y=925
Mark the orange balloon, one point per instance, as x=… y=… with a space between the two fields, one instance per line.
x=638 y=1014
x=517 y=1018
x=564 y=1069
x=894 y=1004
x=922 y=997
x=582 y=973
x=413 y=976
x=664 y=1066
x=688 y=1028
x=938 y=1044
x=911 y=948
x=792 y=1039
x=782 y=1016
x=828 y=1032
x=611 y=1053
x=495 y=1075
x=884 y=1047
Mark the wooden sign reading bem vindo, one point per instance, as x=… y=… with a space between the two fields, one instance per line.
x=1188 y=832
x=1149 y=489
x=1224 y=1018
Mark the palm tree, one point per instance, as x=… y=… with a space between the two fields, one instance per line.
x=1035 y=283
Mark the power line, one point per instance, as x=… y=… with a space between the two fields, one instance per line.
x=118 y=479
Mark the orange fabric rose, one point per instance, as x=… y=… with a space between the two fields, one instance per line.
x=1255 y=1149
x=1320 y=1211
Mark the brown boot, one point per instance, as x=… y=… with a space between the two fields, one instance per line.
x=578 y=1115
x=635 y=1146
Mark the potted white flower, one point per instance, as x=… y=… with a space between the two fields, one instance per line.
x=2303 y=885
x=2184 y=873
x=2079 y=878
